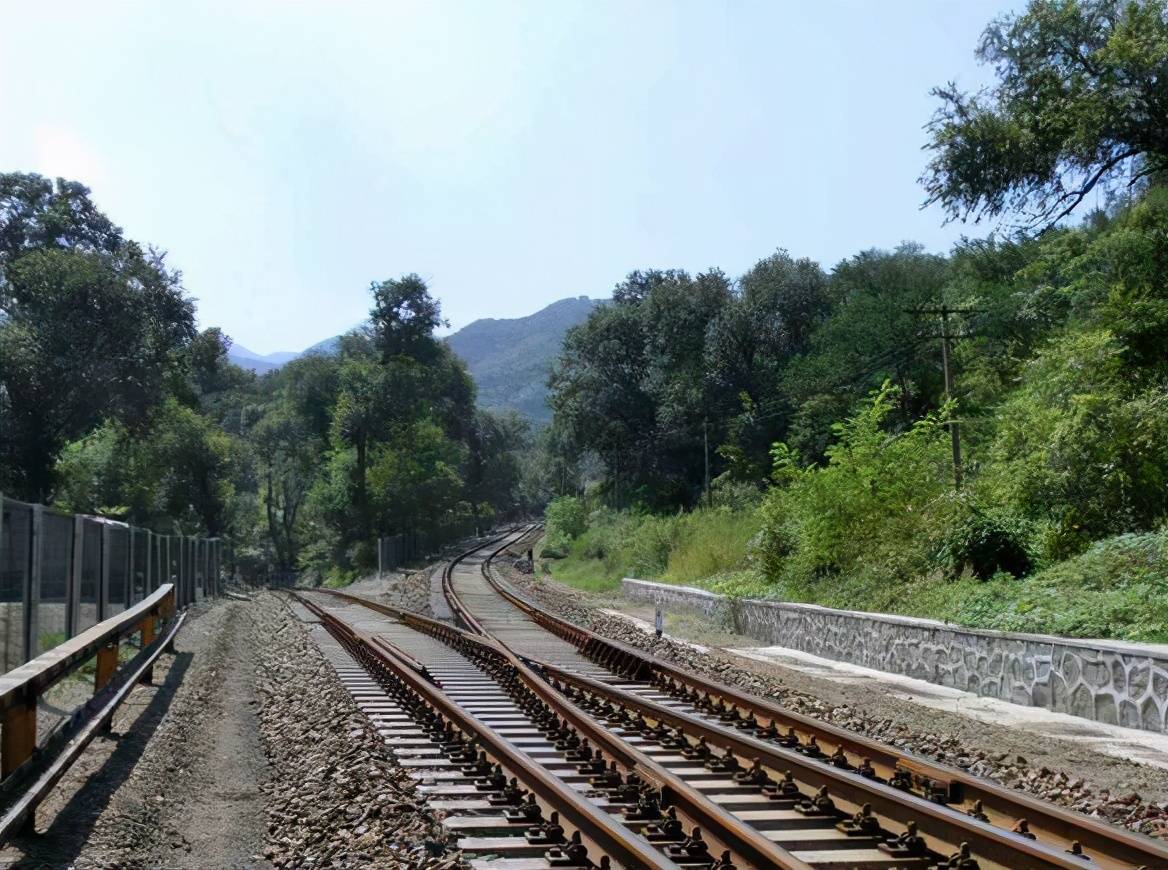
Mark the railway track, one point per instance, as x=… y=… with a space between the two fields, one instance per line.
x=645 y=753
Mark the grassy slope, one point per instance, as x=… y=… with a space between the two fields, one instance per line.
x=1116 y=589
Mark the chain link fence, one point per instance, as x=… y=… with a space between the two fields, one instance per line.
x=63 y=573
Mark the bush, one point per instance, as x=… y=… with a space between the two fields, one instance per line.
x=987 y=543
x=868 y=511
x=566 y=521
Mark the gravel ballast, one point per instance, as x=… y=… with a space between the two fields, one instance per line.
x=1131 y=795
x=246 y=752
x=336 y=797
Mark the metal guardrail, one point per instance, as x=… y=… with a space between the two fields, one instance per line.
x=29 y=771
x=61 y=573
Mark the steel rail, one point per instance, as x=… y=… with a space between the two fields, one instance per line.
x=745 y=843
x=596 y=827
x=986 y=841
x=1047 y=820
x=724 y=829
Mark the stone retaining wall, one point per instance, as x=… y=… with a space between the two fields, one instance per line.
x=1119 y=683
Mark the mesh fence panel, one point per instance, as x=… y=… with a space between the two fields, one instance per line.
x=90 y=574
x=199 y=552
x=172 y=559
x=140 y=547
x=118 y=567
x=52 y=612
x=50 y=590
x=15 y=534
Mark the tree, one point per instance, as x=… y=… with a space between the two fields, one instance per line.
x=873 y=334
x=779 y=304
x=494 y=465
x=1079 y=105
x=404 y=318
x=287 y=455
x=35 y=215
x=175 y=474
x=83 y=336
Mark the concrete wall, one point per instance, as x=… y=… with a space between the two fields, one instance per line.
x=1119 y=683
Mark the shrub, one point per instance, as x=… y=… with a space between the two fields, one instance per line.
x=987 y=542
x=868 y=509
x=566 y=521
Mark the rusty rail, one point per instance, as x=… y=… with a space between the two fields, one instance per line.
x=595 y=826
x=1049 y=820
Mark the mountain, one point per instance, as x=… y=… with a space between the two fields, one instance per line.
x=510 y=359
x=258 y=362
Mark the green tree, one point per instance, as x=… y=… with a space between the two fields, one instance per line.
x=287 y=455
x=779 y=304
x=1078 y=105
x=83 y=336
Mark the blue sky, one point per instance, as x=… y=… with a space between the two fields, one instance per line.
x=510 y=153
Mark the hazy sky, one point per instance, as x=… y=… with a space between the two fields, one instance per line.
x=511 y=153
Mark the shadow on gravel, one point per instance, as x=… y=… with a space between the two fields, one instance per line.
x=61 y=843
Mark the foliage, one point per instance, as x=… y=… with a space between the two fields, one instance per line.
x=877 y=491
x=987 y=543
x=1078 y=104
x=566 y=520
x=90 y=327
x=682 y=548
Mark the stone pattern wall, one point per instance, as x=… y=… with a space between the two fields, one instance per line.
x=1118 y=683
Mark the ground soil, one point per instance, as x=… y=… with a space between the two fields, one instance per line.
x=176 y=781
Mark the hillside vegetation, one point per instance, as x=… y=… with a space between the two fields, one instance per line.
x=113 y=403
x=822 y=396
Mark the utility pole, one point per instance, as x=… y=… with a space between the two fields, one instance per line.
x=954 y=431
x=706 y=446
x=946 y=363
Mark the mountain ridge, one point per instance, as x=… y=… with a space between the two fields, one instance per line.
x=509 y=358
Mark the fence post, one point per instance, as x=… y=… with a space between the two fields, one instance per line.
x=104 y=574
x=148 y=577
x=18 y=735
x=33 y=586
x=184 y=569
x=129 y=566
x=107 y=663
x=75 y=573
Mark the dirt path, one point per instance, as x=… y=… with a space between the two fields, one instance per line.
x=176 y=782
x=246 y=752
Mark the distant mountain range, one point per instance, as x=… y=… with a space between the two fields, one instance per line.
x=509 y=358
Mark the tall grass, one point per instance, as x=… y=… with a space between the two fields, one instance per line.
x=693 y=548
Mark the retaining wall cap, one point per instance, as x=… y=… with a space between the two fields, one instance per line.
x=1131 y=648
